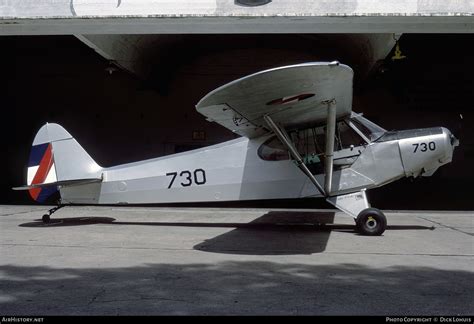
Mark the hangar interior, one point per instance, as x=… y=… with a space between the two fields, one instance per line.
x=142 y=106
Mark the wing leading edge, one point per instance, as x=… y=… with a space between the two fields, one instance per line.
x=293 y=96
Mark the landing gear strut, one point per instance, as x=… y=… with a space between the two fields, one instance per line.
x=47 y=217
x=369 y=221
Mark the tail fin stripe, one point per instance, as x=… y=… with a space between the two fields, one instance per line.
x=36 y=154
x=45 y=194
x=43 y=170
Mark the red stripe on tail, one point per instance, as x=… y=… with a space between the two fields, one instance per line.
x=43 y=170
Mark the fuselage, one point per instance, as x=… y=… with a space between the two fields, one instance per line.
x=249 y=169
x=223 y=172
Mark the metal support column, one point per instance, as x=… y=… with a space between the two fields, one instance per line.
x=330 y=134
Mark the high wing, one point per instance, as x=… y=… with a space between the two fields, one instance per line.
x=292 y=96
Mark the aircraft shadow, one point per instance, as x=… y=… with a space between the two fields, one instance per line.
x=277 y=233
x=74 y=221
x=281 y=233
x=274 y=233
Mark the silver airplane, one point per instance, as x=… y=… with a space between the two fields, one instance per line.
x=300 y=139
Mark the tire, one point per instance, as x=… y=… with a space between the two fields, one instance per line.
x=371 y=222
x=46 y=218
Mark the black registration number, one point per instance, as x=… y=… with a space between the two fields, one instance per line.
x=424 y=147
x=188 y=178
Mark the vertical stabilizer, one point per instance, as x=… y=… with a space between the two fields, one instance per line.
x=56 y=156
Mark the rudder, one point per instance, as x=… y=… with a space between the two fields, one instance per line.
x=57 y=157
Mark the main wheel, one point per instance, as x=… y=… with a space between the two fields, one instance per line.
x=371 y=221
x=46 y=218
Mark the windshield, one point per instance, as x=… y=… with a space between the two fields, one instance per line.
x=369 y=129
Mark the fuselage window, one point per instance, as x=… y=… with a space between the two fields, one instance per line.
x=272 y=150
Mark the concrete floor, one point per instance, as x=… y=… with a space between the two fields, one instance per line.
x=190 y=261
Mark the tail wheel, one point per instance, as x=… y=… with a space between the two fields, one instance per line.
x=371 y=222
x=46 y=218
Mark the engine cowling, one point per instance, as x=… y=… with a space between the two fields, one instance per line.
x=424 y=150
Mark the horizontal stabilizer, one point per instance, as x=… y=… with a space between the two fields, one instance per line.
x=64 y=183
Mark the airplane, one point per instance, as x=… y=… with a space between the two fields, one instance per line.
x=299 y=138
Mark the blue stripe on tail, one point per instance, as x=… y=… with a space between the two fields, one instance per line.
x=36 y=154
x=46 y=192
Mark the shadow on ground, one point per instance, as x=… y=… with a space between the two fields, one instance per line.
x=277 y=233
x=283 y=233
x=236 y=287
x=291 y=220
x=71 y=221
x=274 y=233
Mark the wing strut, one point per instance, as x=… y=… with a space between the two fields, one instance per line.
x=281 y=134
x=330 y=134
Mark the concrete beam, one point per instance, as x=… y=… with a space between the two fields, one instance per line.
x=55 y=17
x=235 y=25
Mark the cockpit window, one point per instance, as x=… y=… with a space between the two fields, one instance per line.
x=273 y=150
x=346 y=136
x=368 y=128
x=310 y=143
